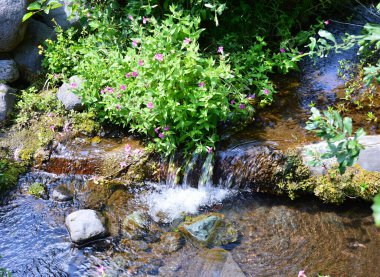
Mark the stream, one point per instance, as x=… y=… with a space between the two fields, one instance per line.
x=277 y=236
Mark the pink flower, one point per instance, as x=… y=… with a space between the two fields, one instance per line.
x=150 y=105
x=123 y=164
x=118 y=96
x=242 y=106
x=327 y=22
x=123 y=87
x=127 y=149
x=109 y=89
x=232 y=102
x=209 y=149
x=56 y=76
x=220 y=49
x=201 y=84
x=141 y=62
x=156 y=130
x=161 y=135
x=118 y=107
x=135 y=74
x=186 y=41
x=145 y=20
x=266 y=91
x=282 y=50
x=102 y=91
x=52 y=127
x=74 y=85
x=128 y=75
x=50 y=114
x=167 y=128
x=130 y=17
x=302 y=273
x=252 y=96
x=159 y=57
x=134 y=43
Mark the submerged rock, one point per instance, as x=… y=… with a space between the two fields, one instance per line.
x=68 y=97
x=210 y=229
x=62 y=194
x=169 y=242
x=85 y=225
x=213 y=262
x=139 y=225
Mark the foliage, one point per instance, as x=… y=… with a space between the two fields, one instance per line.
x=158 y=85
x=9 y=173
x=37 y=190
x=38 y=6
x=376 y=210
x=337 y=132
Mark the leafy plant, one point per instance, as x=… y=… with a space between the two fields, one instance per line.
x=376 y=210
x=38 y=6
x=337 y=132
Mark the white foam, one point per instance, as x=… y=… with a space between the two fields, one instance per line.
x=173 y=202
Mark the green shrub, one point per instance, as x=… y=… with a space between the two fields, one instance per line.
x=160 y=85
x=37 y=190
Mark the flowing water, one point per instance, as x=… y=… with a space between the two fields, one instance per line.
x=278 y=237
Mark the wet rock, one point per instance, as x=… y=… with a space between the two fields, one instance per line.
x=8 y=71
x=133 y=246
x=94 y=194
x=12 y=29
x=27 y=54
x=61 y=16
x=251 y=166
x=118 y=207
x=210 y=229
x=368 y=158
x=139 y=225
x=7 y=99
x=62 y=194
x=68 y=97
x=213 y=262
x=169 y=242
x=85 y=225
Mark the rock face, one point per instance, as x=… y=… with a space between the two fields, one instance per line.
x=8 y=71
x=62 y=194
x=250 y=166
x=368 y=158
x=85 y=225
x=12 y=29
x=7 y=98
x=27 y=54
x=66 y=94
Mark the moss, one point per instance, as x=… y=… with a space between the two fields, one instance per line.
x=356 y=182
x=9 y=174
x=37 y=190
x=84 y=122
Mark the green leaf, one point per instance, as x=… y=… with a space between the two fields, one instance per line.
x=376 y=210
x=347 y=123
x=327 y=35
x=35 y=6
x=27 y=16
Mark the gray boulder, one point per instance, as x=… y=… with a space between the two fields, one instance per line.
x=8 y=71
x=7 y=99
x=27 y=54
x=85 y=225
x=68 y=97
x=12 y=29
x=62 y=193
x=61 y=16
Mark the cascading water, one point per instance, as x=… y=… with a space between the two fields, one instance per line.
x=172 y=200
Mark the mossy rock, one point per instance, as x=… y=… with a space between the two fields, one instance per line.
x=9 y=174
x=38 y=190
